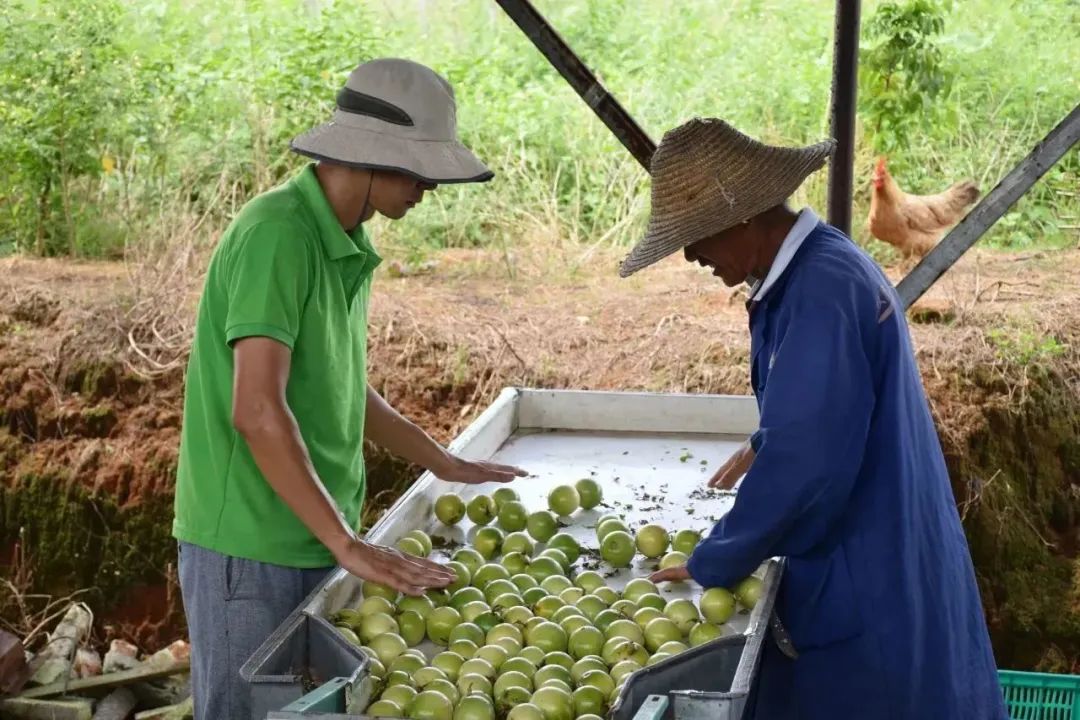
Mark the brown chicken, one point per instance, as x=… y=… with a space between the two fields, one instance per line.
x=914 y=224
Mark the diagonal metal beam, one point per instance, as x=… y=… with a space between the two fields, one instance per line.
x=995 y=204
x=842 y=112
x=591 y=90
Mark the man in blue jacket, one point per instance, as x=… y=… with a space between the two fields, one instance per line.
x=845 y=476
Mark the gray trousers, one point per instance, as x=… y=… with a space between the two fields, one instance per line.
x=232 y=606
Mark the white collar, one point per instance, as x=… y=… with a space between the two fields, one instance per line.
x=804 y=225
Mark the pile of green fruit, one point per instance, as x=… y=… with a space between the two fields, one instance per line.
x=519 y=634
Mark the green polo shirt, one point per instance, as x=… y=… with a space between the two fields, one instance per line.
x=284 y=269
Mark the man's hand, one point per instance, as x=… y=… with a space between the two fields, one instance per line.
x=672 y=574
x=475 y=472
x=387 y=566
x=734 y=468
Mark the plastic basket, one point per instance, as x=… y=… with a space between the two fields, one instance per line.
x=1041 y=696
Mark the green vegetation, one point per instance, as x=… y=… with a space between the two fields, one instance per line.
x=128 y=125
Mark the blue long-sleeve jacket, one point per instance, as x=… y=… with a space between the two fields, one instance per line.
x=849 y=483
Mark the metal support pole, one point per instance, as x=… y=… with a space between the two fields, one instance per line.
x=570 y=66
x=842 y=111
x=990 y=209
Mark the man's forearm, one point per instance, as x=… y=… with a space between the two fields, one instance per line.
x=279 y=451
x=385 y=427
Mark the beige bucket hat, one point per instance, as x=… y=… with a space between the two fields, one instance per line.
x=396 y=115
x=707 y=177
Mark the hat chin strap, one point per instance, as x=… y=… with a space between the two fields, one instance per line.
x=371 y=181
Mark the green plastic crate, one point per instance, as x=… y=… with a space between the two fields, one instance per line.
x=1041 y=696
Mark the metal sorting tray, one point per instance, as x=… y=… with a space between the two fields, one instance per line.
x=651 y=453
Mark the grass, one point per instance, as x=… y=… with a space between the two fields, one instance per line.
x=213 y=91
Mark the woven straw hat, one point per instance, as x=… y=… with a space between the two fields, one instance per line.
x=707 y=177
x=395 y=115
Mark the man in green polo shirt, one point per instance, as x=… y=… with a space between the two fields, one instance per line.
x=271 y=475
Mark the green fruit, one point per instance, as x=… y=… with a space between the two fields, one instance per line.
x=524 y=581
x=564 y=500
x=464 y=647
x=385 y=708
x=589 y=580
x=566 y=543
x=376 y=624
x=651 y=541
x=555 y=703
x=473 y=610
x=565 y=612
x=618 y=649
x=506 y=601
x=749 y=591
x=623 y=669
x=431 y=705
x=518 y=664
x=423 y=538
x=450 y=508
x=423 y=677
x=559 y=658
x=590 y=606
x=558 y=556
x=440 y=623
x=526 y=711
x=373 y=605
x=398 y=677
x=555 y=584
x=638 y=587
x=584 y=665
x=446 y=688
x=571 y=595
x=504 y=630
x=449 y=662
x=512 y=646
x=510 y=698
x=407 y=663
x=599 y=680
x=625 y=608
x=617 y=548
x=625 y=629
x=489 y=573
x=479 y=666
x=438 y=596
x=683 y=614
x=589 y=492
x=588 y=700
x=515 y=563
x=542 y=525
x=517 y=615
x=413 y=627
x=471 y=683
x=533 y=654
x=464 y=596
x=605 y=618
x=494 y=654
x=547 y=636
x=585 y=641
x=604 y=527
x=659 y=631
x=421 y=605
x=488 y=541
x=717 y=605
x=673 y=559
x=349 y=634
x=685 y=541
x=388 y=647
x=572 y=623
x=375 y=665
x=703 y=632
x=651 y=600
x=470 y=558
x=513 y=516
x=462 y=576
x=547 y=606
x=551 y=672
x=533 y=595
x=512 y=678
x=400 y=695
x=543 y=567
x=672 y=647
x=371 y=589
x=656 y=657
x=504 y=495
x=481 y=509
x=474 y=707
x=498 y=586
x=646 y=615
